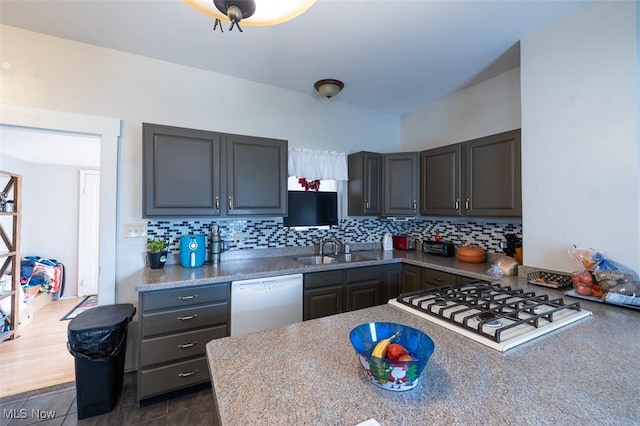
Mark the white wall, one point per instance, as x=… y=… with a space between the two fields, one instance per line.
x=490 y=107
x=580 y=137
x=61 y=75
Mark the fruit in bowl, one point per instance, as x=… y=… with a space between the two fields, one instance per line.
x=392 y=356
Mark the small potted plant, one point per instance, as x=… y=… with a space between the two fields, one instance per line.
x=156 y=252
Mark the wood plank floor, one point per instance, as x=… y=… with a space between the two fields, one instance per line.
x=39 y=357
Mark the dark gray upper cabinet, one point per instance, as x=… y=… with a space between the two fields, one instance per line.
x=401 y=181
x=181 y=171
x=481 y=177
x=185 y=173
x=365 y=184
x=492 y=183
x=256 y=176
x=440 y=181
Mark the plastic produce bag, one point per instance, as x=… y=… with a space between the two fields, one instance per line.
x=583 y=257
x=604 y=264
x=611 y=276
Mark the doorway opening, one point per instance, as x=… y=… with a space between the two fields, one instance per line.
x=108 y=131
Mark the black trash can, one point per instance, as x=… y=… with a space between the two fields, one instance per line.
x=97 y=339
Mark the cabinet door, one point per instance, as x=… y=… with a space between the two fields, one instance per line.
x=181 y=171
x=362 y=295
x=322 y=302
x=256 y=176
x=401 y=182
x=440 y=181
x=391 y=280
x=365 y=184
x=362 y=288
x=411 y=278
x=493 y=175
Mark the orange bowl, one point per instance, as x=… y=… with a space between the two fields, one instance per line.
x=471 y=254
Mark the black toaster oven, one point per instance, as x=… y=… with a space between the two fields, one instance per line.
x=439 y=248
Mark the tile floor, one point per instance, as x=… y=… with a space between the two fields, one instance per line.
x=56 y=405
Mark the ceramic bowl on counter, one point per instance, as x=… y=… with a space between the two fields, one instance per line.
x=386 y=373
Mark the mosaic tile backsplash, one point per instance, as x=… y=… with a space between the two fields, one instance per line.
x=270 y=233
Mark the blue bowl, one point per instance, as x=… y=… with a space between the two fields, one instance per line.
x=386 y=373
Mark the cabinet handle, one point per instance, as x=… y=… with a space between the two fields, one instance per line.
x=192 y=296
x=366 y=203
x=413 y=205
x=187 y=345
x=188 y=373
x=440 y=280
x=230 y=203
x=217 y=202
x=457 y=204
x=187 y=318
x=466 y=204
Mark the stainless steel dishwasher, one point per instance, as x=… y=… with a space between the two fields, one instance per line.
x=263 y=303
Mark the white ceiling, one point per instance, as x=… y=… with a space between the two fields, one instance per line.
x=392 y=55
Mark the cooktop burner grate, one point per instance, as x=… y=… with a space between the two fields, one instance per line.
x=490 y=310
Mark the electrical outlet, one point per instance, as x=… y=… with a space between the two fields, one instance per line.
x=372 y=238
x=237 y=237
x=135 y=230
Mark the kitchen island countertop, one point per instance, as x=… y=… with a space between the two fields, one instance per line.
x=307 y=373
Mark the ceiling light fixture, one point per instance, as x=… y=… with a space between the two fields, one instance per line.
x=328 y=87
x=252 y=13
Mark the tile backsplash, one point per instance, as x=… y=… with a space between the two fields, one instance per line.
x=270 y=233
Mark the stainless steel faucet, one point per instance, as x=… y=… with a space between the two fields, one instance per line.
x=336 y=245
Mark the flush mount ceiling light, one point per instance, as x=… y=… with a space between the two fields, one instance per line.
x=328 y=87
x=256 y=13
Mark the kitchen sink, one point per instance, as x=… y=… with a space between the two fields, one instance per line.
x=349 y=257
x=324 y=260
x=315 y=260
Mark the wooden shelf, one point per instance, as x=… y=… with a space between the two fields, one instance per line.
x=6 y=335
x=6 y=294
x=11 y=239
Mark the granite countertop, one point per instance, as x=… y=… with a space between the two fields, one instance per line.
x=307 y=373
x=241 y=269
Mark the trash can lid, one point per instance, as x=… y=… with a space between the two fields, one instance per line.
x=102 y=317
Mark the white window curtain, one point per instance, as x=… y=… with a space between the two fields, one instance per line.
x=314 y=164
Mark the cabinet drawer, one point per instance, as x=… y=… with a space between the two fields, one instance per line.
x=178 y=346
x=187 y=296
x=368 y=273
x=437 y=278
x=155 y=381
x=323 y=279
x=184 y=319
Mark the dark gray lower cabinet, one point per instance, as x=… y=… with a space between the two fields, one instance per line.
x=323 y=294
x=332 y=292
x=391 y=281
x=362 y=288
x=418 y=278
x=432 y=278
x=175 y=326
x=411 y=278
